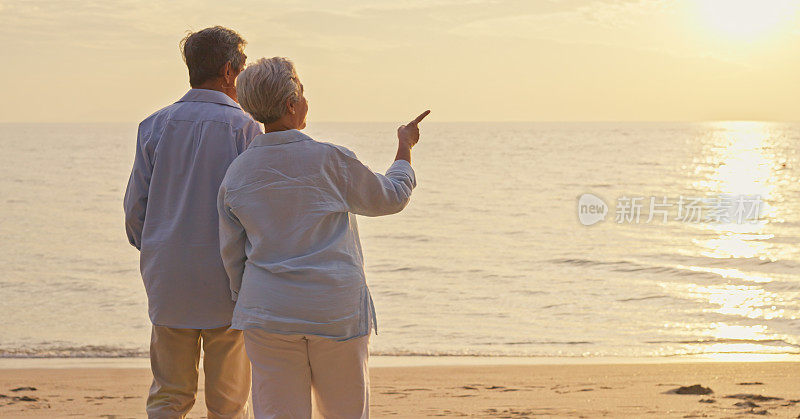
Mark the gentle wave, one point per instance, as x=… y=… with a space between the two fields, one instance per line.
x=777 y=347
x=627 y=266
x=88 y=351
x=400 y=237
x=763 y=342
x=538 y=342
x=649 y=297
x=719 y=268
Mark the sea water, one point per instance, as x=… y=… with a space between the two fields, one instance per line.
x=490 y=257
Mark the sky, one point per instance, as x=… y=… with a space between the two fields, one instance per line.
x=387 y=60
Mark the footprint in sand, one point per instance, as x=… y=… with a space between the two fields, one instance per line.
x=752 y=397
x=451 y=413
x=14 y=399
x=90 y=398
x=694 y=389
x=397 y=393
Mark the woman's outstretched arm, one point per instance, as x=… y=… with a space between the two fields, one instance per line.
x=373 y=194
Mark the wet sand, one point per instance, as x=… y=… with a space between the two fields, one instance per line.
x=499 y=391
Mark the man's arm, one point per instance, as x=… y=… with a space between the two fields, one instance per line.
x=232 y=240
x=135 y=202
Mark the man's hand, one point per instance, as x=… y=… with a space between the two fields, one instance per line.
x=409 y=134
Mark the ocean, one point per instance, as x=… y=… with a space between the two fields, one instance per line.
x=491 y=257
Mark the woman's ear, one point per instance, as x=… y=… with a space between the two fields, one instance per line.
x=290 y=107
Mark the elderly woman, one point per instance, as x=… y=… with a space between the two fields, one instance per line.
x=290 y=245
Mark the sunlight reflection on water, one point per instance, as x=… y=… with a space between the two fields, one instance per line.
x=741 y=162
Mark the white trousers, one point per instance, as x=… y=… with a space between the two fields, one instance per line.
x=287 y=367
x=174 y=358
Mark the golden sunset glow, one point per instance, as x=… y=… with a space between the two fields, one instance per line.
x=581 y=60
x=747 y=19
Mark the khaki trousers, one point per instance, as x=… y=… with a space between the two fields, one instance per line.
x=287 y=367
x=174 y=359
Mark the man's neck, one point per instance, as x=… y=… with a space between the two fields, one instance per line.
x=218 y=86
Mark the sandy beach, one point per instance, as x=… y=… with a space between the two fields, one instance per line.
x=504 y=391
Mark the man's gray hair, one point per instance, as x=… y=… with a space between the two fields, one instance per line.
x=265 y=86
x=205 y=52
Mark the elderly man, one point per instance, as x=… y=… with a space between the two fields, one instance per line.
x=182 y=153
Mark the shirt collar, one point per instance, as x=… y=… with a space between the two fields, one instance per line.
x=210 y=96
x=279 y=137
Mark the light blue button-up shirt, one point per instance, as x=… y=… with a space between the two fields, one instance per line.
x=182 y=153
x=289 y=239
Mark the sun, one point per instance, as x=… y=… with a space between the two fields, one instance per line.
x=747 y=19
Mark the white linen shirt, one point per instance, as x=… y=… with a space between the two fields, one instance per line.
x=289 y=238
x=182 y=153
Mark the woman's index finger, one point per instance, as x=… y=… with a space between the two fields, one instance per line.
x=421 y=116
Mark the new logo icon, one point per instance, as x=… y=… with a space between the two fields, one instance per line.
x=591 y=209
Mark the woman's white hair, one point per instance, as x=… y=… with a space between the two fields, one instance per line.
x=265 y=86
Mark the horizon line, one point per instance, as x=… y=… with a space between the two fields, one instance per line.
x=554 y=121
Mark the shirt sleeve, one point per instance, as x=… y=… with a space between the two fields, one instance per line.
x=373 y=194
x=246 y=135
x=135 y=202
x=232 y=240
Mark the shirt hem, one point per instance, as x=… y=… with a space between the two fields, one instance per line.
x=190 y=325
x=290 y=333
